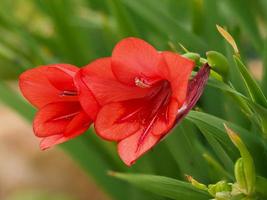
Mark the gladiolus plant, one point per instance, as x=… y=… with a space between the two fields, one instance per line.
x=159 y=99
x=135 y=97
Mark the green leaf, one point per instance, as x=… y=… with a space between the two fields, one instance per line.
x=164 y=186
x=261 y=117
x=252 y=86
x=187 y=152
x=242 y=101
x=218 y=144
x=255 y=145
x=251 y=109
x=164 y=23
x=219 y=171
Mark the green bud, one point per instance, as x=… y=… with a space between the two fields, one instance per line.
x=223 y=195
x=218 y=62
x=192 y=56
x=246 y=166
x=240 y=174
x=196 y=184
x=216 y=75
x=221 y=186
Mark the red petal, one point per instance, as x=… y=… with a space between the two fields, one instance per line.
x=50 y=141
x=61 y=76
x=133 y=57
x=100 y=80
x=87 y=99
x=130 y=150
x=53 y=118
x=110 y=124
x=39 y=90
x=177 y=71
x=77 y=126
x=36 y=88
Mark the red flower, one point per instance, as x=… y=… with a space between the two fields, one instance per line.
x=141 y=94
x=52 y=91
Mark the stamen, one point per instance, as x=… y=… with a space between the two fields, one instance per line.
x=69 y=93
x=141 y=83
x=182 y=109
x=67 y=116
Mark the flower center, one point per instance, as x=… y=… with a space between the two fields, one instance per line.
x=149 y=110
x=142 y=83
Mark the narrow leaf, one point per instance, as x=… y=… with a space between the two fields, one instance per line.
x=252 y=86
x=164 y=186
x=255 y=145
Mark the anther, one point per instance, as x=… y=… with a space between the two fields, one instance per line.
x=69 y=93
x=141 y=83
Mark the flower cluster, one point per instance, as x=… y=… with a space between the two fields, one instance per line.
x=135 y=97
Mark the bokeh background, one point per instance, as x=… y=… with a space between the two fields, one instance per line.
x=38 y=32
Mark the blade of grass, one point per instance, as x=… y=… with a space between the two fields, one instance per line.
x=164 y=186
x=252 y=86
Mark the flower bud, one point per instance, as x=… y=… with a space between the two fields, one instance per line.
x=192 y=56
x=195 y=183
x=223 y=195
x=218 y=62
x=245 y=167
x=221 y=186
x=240 y=174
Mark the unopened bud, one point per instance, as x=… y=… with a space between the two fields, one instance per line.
x=240 y=174
x=192 y=56
x=218 y=62
x=195 y=183
x=246 y=166
x=221 y=186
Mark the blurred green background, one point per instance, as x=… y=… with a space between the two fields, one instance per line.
x=38 y=32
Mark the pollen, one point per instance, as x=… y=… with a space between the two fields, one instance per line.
x=141 y=83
